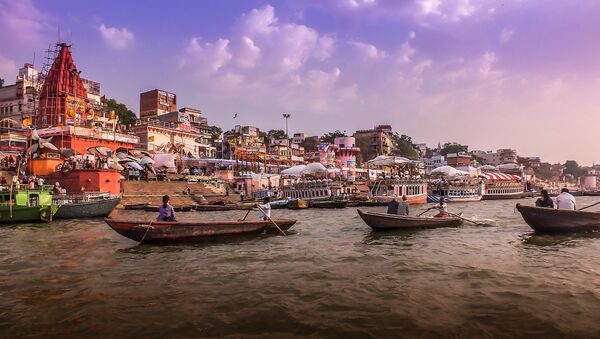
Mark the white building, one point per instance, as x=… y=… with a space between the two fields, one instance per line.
x=18 y=101
x=435 y=161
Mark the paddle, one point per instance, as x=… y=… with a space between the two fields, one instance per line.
x=427 y=210
x=471 y=221
x=271 y=220
x=245 y=215
x=592 y=205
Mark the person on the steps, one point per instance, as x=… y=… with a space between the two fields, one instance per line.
x=544 y=200
x=403 y=206
x=393 y=206
x=442 y=207
x=166 y=212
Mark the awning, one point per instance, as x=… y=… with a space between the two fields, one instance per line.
x=500 y=176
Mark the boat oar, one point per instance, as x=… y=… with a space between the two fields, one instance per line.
x=271 y=220
x=245 y=215
x=592 y=205
x=427 y=210
x=465 y=219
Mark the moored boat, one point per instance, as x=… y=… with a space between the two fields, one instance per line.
x=81 y=208
x=188 y=208
x=502 y=186
x=385 y=222
x=549 y=220
x=296 y=204
x=329 y=204
x=24 y=204
x=228 y=207
x=161 y=232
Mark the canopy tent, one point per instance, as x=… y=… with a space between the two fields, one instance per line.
x=500 y=176
x=449 y=171
x=509 y=167
x=295 y=171
x=386 y=160
x=314 y=168
x=488 y=168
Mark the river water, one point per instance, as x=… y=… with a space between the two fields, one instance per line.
x=333 y=277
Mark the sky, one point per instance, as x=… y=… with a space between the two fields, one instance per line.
x=520 y=74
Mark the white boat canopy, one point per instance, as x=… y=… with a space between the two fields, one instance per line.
x=386 y=160
x=488 y=168
x=449 y=171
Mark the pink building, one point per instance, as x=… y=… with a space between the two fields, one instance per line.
x=342 y=155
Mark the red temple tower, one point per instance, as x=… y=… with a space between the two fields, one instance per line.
x=63 y=98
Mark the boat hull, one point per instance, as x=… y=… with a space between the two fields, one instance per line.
x=329 y=204
x=162 y=232
x=26 y=213
x=436 y=198
x=88 y=209
x=548 y=220
x=518 y=195
x=387 y=222
x=296 y=204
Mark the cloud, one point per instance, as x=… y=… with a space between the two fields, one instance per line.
x=8 y=70
x=367 y=50
x=405 y=53
x=208 y=57
x=506 y=35
x=23 y=20
x=117 y=38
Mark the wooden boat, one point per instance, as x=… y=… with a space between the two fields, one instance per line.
x=385 y=222
x=230 y=207
x=160 y=232
x=279 y=204
x=372 y=203
x=149 y=208
x=295 y=204
x=549 y=220
x=139 y=207
x=87 y=209
x=329 y=204
x=24 y=204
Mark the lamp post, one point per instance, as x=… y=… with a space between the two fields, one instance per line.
x=286 y=116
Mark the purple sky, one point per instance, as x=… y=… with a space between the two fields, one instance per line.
x=492 y=74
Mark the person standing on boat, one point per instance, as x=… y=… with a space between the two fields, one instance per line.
x=403 y=206
x=566 y=201
x=393 y=206
x=544 y=200
x=166 y=212
x=265 y=208
x=442 y=207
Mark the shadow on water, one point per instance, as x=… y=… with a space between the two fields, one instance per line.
x=380 y=237
x=557 y=239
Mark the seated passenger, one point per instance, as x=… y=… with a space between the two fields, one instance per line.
x=544 y=200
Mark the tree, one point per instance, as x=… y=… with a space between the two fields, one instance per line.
x=453 y=148
x=215 y=133
x=276 y=134
x=573 y=168
x=366 y=153
x=1 y=82
x=309 y=144
x=329 y=138
x=405 y=147
x=126 y=116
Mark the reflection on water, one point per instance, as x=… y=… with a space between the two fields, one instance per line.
x=332 y=277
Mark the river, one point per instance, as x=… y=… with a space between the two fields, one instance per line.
x=333 y=277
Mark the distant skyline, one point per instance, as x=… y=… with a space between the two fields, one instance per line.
x=490 y=74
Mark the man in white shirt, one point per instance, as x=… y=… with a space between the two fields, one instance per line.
x=566 y=201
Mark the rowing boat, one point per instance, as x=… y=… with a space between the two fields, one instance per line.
x=175 y=231
x=549 y=220
x=384 y=222
x=329 y=204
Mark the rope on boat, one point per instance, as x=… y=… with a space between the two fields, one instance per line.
x=146 y=233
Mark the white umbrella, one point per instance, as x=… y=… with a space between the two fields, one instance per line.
x=449 y=171
x=116 y=166
x=135 y=166
x=145 y=160
x=314 y=168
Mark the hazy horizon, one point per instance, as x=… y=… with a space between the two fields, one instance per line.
x=512 y=74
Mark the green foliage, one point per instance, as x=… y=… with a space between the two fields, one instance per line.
x=365 y=153
x=309 y=144
x=126 y=116
x=573 y=168
x=453 y=148
x=329 y=138
x=1 y=82
x=215 y=133
x=276 y=134
x=405 y=147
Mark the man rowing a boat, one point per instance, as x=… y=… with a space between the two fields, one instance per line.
x=265 y=208
x=566 y=201
x=442 y=207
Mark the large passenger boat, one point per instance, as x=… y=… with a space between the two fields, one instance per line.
x=385 y=189
x=457 y=190
x=502 y=186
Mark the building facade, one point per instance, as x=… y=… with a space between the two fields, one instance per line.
x=19 y=101
x=156 y=102
x=183 y=139
x=380 y=139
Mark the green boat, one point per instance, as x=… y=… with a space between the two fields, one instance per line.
x=24 y=204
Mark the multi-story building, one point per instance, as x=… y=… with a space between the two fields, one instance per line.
x=156 y=102
x=18 y=101
x=195 y=117
x=299 y=138
x=433 y=162
x=380 y=139
x=458 y=159
x=501 y=156
x=182 y=138
x=245 y=138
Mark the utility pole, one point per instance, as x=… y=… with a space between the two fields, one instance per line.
x=286 y=116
